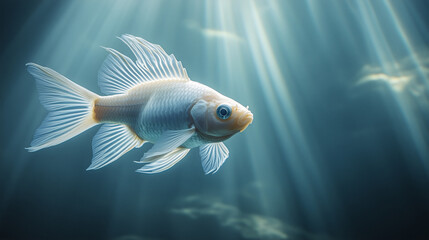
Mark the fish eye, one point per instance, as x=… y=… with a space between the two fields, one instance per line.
x=223 y=111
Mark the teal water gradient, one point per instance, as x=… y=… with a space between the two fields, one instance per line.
x=338 y=149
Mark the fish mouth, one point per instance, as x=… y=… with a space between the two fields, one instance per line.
x=245 y=120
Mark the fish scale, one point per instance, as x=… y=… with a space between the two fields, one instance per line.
x=167 y=109
x=151 y=99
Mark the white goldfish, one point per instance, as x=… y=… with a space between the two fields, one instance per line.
x=149 y=100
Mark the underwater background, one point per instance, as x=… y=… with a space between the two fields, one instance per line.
x=338 y=149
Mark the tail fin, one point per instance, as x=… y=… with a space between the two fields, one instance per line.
x=69 y=105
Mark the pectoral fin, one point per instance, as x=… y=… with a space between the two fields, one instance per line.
x=213 y=155
x=169 y=141
x=163 y=162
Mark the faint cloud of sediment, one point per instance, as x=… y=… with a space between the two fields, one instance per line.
x=248 y=225
x=402 y=76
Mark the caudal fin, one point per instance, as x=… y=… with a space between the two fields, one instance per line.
x=69 y=106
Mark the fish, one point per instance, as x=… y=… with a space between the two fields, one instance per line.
x=147 y=100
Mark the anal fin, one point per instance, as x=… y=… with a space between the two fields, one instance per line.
x=111 y=142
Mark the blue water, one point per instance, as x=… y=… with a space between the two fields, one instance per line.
x=338 y=149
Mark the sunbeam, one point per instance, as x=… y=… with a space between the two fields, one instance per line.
x=337 y=148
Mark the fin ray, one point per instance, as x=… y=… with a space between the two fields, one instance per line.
x=119 y=73
x=213 y=155
x=154 y=59
x=111 y=142
x=169 y=141
x=69 y=107
x=164 y=162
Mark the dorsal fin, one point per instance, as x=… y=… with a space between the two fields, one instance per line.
x=119 y=73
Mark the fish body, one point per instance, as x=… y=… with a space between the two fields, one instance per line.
x=151 y=108
x=148 y=100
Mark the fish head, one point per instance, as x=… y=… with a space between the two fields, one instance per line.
x=220 y=116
